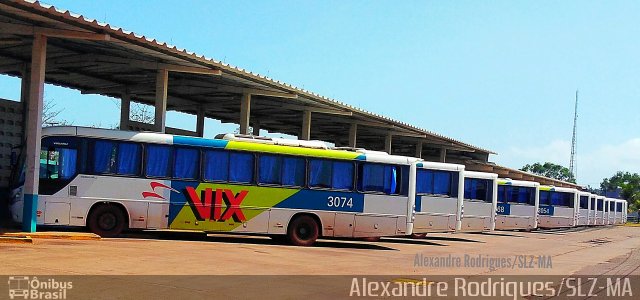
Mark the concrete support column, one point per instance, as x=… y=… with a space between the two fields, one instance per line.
x=162 y=86
x=387 y=143
x=200 y=121
x=24 y=96
x=443 y=155
x=306 y=126
x=419 y=149
x=34 y=131
x=245 y=113
x=125 y=110
x=256 y=128
x=353 y=135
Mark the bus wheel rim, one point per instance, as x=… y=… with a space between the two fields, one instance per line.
x=107 y=221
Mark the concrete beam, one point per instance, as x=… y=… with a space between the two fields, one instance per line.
x=256 y=128
x=387 y=142
x=419 y=149
x=135 y=63
x=306 y=126
x=353 y=135
x=34 y=131
x=245 y=113
x=200 y=121
x=327 y=111
x=443 y=155
x=12 y=28
x=162 y=87
x=125 y=110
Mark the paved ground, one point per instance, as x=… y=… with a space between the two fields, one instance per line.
x=563 y=252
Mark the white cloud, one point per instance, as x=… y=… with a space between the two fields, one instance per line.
x=594 y=162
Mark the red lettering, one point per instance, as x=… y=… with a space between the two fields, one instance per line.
x=233 y=206
x=202 y=210
x=217 y=209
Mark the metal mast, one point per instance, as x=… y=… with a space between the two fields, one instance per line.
x=573 y=167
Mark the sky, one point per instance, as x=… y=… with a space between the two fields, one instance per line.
x=501 y=75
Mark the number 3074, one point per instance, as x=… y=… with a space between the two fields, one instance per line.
x=339 y=202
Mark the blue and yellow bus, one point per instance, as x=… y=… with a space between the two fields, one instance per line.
x=110 y=181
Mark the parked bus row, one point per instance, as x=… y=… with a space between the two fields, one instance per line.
x=110 y=181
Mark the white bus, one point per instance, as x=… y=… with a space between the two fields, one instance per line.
x=584 y=208
x=112 y=180
x=438 y=197
x=479 y=201
x=619 y=208
x=611 y=212
x=517 y=207
x=625 y=211
x=592 y=209
x=600 y=211
x=558 y=207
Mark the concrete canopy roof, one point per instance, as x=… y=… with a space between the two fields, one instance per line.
x=106 y=60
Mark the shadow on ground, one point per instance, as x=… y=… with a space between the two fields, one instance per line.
x=248 y=239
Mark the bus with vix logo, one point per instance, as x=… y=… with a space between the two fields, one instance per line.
x=558 y=207
x=110 y=180
x=479 y=201
x=517 y=205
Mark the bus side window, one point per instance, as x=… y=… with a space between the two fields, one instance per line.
x=58 y=163
x=293 y=171
x=128 y=160
x=186 y=163
x=269 y=169
x=342 y=175
x=158 y=161
x=216 y=165
x=104 y=157
x=241 y=167
x=320 y=173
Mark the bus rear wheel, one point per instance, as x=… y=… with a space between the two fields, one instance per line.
x=303 y=231
x=107 y=221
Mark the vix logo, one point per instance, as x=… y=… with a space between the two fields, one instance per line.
x=154 y=194
x=204 y=210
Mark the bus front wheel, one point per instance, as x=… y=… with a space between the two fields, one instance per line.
x=303 y=231
x=107 y=221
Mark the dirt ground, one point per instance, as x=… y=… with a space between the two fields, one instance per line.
x=168 y=253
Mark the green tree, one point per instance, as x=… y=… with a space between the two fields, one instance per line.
x=550 y=170
x=629 y=183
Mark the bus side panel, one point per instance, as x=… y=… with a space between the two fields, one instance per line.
x=520 y=217
x=562 y=217
x=477 y=216
x=583 y=217
x=435 y=214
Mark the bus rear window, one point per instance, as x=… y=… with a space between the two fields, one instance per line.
x=584 y=202
x=478 y=189
x=434 y=182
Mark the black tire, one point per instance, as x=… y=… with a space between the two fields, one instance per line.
x=418 y=235
x=303 y=231
x=107 y=221
x=371 y=239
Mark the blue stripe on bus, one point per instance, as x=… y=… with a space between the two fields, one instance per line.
x=324 y=200
x=192 y=141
